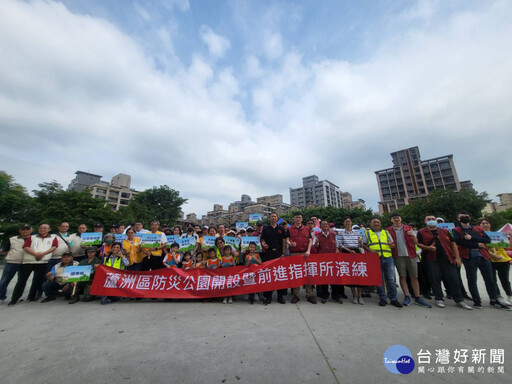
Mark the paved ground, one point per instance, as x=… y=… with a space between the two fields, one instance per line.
x=193 y=342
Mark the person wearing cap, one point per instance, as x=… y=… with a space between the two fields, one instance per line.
x=406 y=259
x=300 y=243
x=258 y=229
x=14 y=258
x=440 y=220
x=37 y=251
x=54 y=284
x=84 y=287
x=98 y=227
x=442 y=257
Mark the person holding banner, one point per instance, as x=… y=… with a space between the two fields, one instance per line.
x=172 y=259
x=350 y=241
x=300 y=243
x=326 y=243
x=54 y=285
x=500 y=262
x=379 y=241
x=273 y=244
x=153 y=258
x=117 y=260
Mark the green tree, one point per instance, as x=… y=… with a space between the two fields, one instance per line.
x=158 y=203
x=15 y=206
x=446 y=204
x=499 y=219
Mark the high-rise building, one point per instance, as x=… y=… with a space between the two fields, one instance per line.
x=82 y=180
x=316 y=193
x=410 y=177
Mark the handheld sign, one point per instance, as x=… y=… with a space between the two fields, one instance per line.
x=120 y=237
x=76 y=273
x=241 y=225
x=208 y=242
x=250 y=239
x=448 y=226
x=186 y=244
x=498 y=240
x=91 y=238
x=234 y=242
x=150 y=240
x=254 y=218
x=171 y=239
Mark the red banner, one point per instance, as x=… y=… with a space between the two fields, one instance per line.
x=289 y=272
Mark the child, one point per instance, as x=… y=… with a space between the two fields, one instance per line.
x=188 y=263
x=199 y=263
x=172 y=259
x=226 y=262
x=252 y=258
x=213 y=262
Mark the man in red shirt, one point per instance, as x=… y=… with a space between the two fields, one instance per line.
x=326 y=243
x=300 y=243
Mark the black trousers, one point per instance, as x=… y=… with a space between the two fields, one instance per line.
x=272 y=254
x=322 y=291
x=152 y=263
x=503 y=270
x=447 y=272
x=23 y=275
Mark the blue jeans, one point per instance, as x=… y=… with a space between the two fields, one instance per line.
x=10 y=270
x=472 y=265
x=387 y=267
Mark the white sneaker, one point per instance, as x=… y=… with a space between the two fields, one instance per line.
x=462 y=304
x=354 y=300
x=230 y=300
x=225 y=300
x=440 y=303
x=503 y=301
x=361 y=301
x=509 y=298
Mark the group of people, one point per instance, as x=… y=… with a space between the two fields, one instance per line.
x=425 y=259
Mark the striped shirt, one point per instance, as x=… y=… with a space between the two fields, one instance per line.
x=348 y=240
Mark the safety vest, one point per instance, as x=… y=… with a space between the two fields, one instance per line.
x=378 y=246
x=117 y=262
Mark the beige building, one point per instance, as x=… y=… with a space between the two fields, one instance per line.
x=117 y=193
x=410 y=177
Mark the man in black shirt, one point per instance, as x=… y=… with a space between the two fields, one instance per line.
x=272 y=237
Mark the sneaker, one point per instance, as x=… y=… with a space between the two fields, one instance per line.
x=2 y=301
x=105 y=301
x=477 y=305
x=312 y=299
x=48 y=299
x=503 y=301
x=230 y=300
x=396 y=303
x=407 y=301
x=12 y=303
x=354 y=300
x=361 y=301
x=383 y=302
x=74 y=299
x=462 y=304
x=323 y=301
x=225 y=300
x=509 y=299
x=467 y=297
x=281 y=300
x=440 y=303
x=295 y=299
x=496 y=304
x=421 y=302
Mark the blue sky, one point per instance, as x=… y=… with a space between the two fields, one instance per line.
x=220 y=98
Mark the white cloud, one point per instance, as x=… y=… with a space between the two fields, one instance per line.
x=217 y=45
x=77 y=93
x=273 y=45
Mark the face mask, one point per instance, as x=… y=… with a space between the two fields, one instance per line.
x=109 y=241
x=464 y=219
x=432 y=223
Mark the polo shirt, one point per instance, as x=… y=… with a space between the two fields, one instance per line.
x=273 y=237
x=326 y=242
